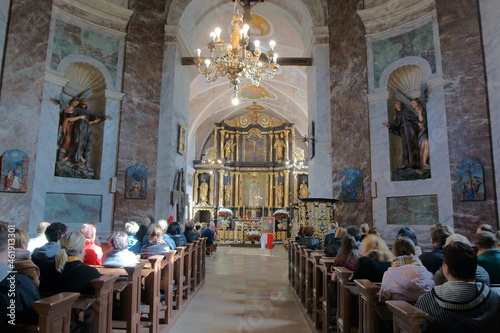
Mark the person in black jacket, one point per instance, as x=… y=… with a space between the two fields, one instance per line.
x=308 y=240
x=332 y=244
x=434 y=259
x=376 y=259
x=15 y=287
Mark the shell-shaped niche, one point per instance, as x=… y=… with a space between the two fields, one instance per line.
x=82 y=76
x=407 y=79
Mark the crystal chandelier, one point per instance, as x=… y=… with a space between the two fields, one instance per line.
x=235 y=60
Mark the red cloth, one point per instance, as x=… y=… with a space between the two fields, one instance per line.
x=270 y=241
x=93 y=253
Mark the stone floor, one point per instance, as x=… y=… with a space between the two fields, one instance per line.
x=246 y=290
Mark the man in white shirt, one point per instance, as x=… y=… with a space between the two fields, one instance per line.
x=39 y=239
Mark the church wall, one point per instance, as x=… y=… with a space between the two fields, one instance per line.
x=350 y=121
x=466 y=101
x=138 y=141
x=21 y=93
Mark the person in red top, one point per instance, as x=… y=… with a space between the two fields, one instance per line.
x=93 y=252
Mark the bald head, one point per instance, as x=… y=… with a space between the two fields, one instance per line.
x=42 y=227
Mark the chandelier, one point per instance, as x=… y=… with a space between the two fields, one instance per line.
x=234 y=60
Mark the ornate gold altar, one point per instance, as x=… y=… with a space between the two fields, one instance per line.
x=250 y=167
x=316 y=212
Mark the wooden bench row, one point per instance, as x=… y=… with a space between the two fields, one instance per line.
x=120 y=293
x=356 y=302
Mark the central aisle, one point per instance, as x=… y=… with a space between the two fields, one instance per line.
x=246 y=290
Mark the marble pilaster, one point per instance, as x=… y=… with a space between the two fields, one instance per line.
x=490 y=25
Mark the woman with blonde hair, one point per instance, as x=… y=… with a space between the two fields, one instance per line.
x=376 y=259
x=71 y=273
x=22 y=261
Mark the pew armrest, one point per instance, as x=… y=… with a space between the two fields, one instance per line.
x=406 y=316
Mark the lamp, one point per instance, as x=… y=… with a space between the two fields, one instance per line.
x=235 y=60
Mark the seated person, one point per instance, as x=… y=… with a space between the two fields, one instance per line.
x=156 y=244
x=23 y=263
x=93 y=252
x=190 y=232
x=434 y=259
x=364 y=230
x=460 y=305
x=143 y=228
x=71 y=273
x=375 y=259
x=163 y=224
x=214 y=228
x=407 y=279
x=488 y=255
x=39 y=239
x=408 y=232
x=481 y=274
x=374 y=231
x=44 y=256
x=308 y=240
x=332 y=244
x=26 y=292
x=175 y=232
x=119 y=255
x=134 y=245
x=208 y=233
x=348 y=254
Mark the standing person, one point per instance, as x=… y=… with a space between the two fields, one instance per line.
x=375 y=259
x=434 y=259
x=26 y=292
x=93 y=252
x=405 y=125
x=39 y=239
x=460 y=305
x=407 y=278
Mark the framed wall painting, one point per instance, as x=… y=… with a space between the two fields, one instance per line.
x=267 y=226
x=14 y=171
x=470 y=180
x=136 y=182
x=181 y=140
x=352 y=185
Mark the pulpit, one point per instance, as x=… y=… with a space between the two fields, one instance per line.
x=318 y=212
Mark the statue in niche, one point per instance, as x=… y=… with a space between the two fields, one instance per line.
x=254 y=191
x=76 y=136
x=228 y=149
x=418 y=106
x=279 y=194
x=405 y=125
x=204 y=191
x=279 y=145
x=227 y=194
x=303 y=190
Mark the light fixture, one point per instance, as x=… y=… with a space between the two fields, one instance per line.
x=235 y=60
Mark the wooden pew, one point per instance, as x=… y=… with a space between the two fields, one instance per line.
x=307 y=283
x=291 y=267
x=188 y=259
x=302 y=273
x=130 y=296
x=202 y=260
x=347 y=293
x=193 y=281
x=317 y=290
x=369 y=321
x=327 y=301
x=178 y=276
x=103 y=305
x=310 y=267
x=151 y=275
x=167 y=284
x=54 y=315
x=406 y=317
x=297 y=267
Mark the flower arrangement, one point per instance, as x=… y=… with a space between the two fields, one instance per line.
x=225 y=213
x=280 y=214
x=252 y=235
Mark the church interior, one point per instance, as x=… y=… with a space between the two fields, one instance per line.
x=247 y=112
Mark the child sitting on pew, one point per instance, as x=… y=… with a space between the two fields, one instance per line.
x=119 y=255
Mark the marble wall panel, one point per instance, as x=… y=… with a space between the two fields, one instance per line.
x=20 y=94
x=350 y=121
x=141 y=105
x=469 y=134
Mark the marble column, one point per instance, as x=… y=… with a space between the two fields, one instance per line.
x=490 y=12
x=318 y=91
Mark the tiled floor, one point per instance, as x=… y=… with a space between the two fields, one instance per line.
x=246 y=290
